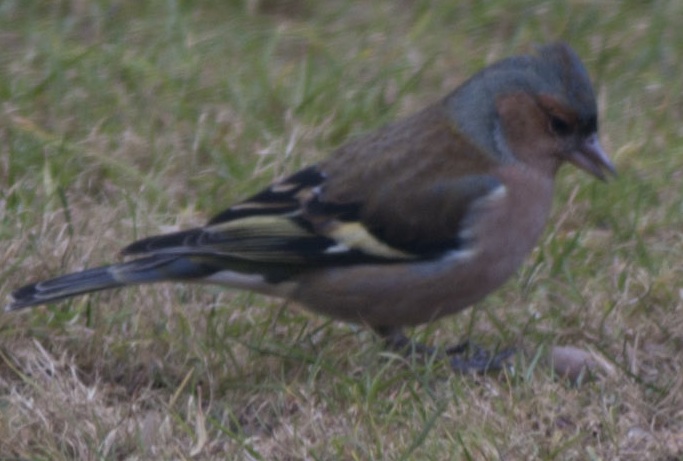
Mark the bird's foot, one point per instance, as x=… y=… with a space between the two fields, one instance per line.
x=471 y=358
x=462 y=358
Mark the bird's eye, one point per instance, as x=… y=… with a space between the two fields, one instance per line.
x=560 y=126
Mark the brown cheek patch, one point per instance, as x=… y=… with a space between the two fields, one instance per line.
x=523 y=122
x=557 y=108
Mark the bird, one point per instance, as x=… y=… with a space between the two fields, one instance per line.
x=415 y=221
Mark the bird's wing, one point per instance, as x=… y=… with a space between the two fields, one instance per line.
x=292 y=224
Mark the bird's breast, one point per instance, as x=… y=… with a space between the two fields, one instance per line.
x=508 y=228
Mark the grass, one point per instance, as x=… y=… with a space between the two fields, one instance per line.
x=123 y=119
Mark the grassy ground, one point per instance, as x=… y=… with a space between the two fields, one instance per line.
x=123 y=119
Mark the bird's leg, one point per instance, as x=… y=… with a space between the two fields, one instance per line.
x=463 y=358
x=395 y=340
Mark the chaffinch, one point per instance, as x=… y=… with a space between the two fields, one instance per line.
x=418 y=220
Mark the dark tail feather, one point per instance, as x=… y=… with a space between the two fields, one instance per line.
x=145 y=270
x=63 y=287
x=162 y=242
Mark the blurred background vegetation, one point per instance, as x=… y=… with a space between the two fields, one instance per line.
x=122 y=119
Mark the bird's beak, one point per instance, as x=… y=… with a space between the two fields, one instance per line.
x=592 y=158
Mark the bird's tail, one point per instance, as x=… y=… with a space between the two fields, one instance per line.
x=144 y=270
